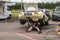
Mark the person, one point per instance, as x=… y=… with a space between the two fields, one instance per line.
x=34 y=25
x=58 y=29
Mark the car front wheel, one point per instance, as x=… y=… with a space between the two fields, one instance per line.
x=46 y=23
x=9 y=17
x=22 y=21
x=41 y=21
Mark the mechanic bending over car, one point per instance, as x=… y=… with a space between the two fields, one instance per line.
x=34 y=25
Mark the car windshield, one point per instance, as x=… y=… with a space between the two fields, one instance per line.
x=30 y=7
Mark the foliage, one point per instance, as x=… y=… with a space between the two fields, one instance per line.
x=15 y=13
x=48 y=5
x=40 y=5
x=17 y=6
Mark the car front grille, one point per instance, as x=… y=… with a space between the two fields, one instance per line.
x=28 y=14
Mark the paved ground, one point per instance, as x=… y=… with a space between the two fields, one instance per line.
x=13 y=30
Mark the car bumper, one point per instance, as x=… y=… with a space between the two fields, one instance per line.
x=34 y=17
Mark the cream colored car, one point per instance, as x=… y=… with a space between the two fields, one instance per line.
x=33 y=15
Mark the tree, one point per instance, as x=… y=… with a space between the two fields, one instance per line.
x=40 y=5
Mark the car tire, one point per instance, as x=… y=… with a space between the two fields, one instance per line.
x=41 y=21
x=22 y=21
x=9 y=17
x=53 y=19
x=46 y=23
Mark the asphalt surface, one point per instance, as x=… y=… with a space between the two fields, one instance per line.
x=13 y=30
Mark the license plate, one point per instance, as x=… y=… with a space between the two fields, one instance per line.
x=28 y=14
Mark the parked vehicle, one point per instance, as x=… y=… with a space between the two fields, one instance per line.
x=56 y=14
x=32 y=14
x=5 y=12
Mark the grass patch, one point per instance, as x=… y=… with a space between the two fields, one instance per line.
x=15 y=15
x=48 y=39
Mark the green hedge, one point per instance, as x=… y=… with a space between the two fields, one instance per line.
x=15 y=13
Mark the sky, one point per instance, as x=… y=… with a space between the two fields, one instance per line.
x=35 y=0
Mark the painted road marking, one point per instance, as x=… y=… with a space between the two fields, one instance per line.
x=23 y=35
x=28 y=36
